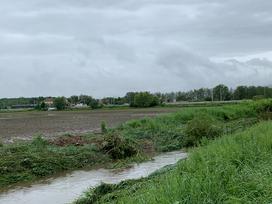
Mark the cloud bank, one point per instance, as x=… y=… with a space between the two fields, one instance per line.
x=106 y=48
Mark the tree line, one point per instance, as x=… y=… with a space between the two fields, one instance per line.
x=144 y=99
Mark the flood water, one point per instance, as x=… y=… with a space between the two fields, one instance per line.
x=66 y=189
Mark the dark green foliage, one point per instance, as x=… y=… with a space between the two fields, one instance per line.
x=73 y=100
x=221 y=93
x=90 y=101
x=118 y=147
x=129 y=98
x=264 y=108
x=202 y=125
x=252 y=92
x=42 y=106
x=96 y=193
x=145 y=99
x=9 y=102
x=28 y=161
x=232 y=169
x=94 y=104
x=107 y=192
x=60 y=103
x=103 y=127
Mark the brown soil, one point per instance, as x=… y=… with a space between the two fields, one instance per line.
x=69 y=140
x=25 y=125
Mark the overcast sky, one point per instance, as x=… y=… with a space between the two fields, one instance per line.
x=109 y=47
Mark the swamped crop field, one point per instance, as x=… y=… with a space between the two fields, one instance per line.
x=229 y=153
x=21 y=125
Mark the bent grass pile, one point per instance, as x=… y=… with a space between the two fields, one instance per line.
x=232 y=169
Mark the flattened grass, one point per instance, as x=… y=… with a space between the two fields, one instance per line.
x=232 y=169
x=27 y=161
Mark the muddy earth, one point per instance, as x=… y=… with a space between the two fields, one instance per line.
x=25 y=125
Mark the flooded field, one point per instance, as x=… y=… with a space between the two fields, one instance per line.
x=67 y=188
x=21 y=125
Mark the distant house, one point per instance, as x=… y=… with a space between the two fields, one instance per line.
x=49 y=101
x=81 y=105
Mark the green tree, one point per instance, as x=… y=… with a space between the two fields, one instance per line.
x=221 y=93
x=93 y=103
x=73 y=99
x=145 y=99
x=60 y=103
x=241 y=92
x=130 y=96
x=43 y=106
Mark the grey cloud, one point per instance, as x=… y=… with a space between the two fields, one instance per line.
x=106 y=47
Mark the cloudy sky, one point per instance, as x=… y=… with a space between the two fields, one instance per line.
x=109 y=47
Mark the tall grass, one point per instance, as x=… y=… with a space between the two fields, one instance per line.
x=168 y=133
x=31 y=160
x=232 y=169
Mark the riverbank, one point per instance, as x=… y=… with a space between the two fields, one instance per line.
x=133 y=141
x=67 y=187
x=232 y=169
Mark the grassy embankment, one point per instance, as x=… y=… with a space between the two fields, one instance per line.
x=235 y=168
x=132 y=141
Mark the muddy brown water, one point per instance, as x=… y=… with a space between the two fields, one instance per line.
x=67 y=188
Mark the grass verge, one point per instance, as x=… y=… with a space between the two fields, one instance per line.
x=235 y=168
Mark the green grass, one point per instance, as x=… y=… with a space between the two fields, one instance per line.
x=28 y=161
x=167 y=132
x=235 y=168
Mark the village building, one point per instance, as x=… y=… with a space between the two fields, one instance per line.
x=49 y=101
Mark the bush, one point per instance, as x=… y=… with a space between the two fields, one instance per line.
x=95 y=194
x=60 y=103
x=103 y=127
x=201 y=126
x=264 y=109
x=263 y=106
x=94 y=104
x=118 y=147
x=145 y=99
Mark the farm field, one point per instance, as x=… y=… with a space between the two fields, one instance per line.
x=23 y=125
x=133 y=141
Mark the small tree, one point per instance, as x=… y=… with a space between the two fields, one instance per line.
x=93 y=103
x=73 y=99
x=60 y=103
x=145 y=99
x=43 y=106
